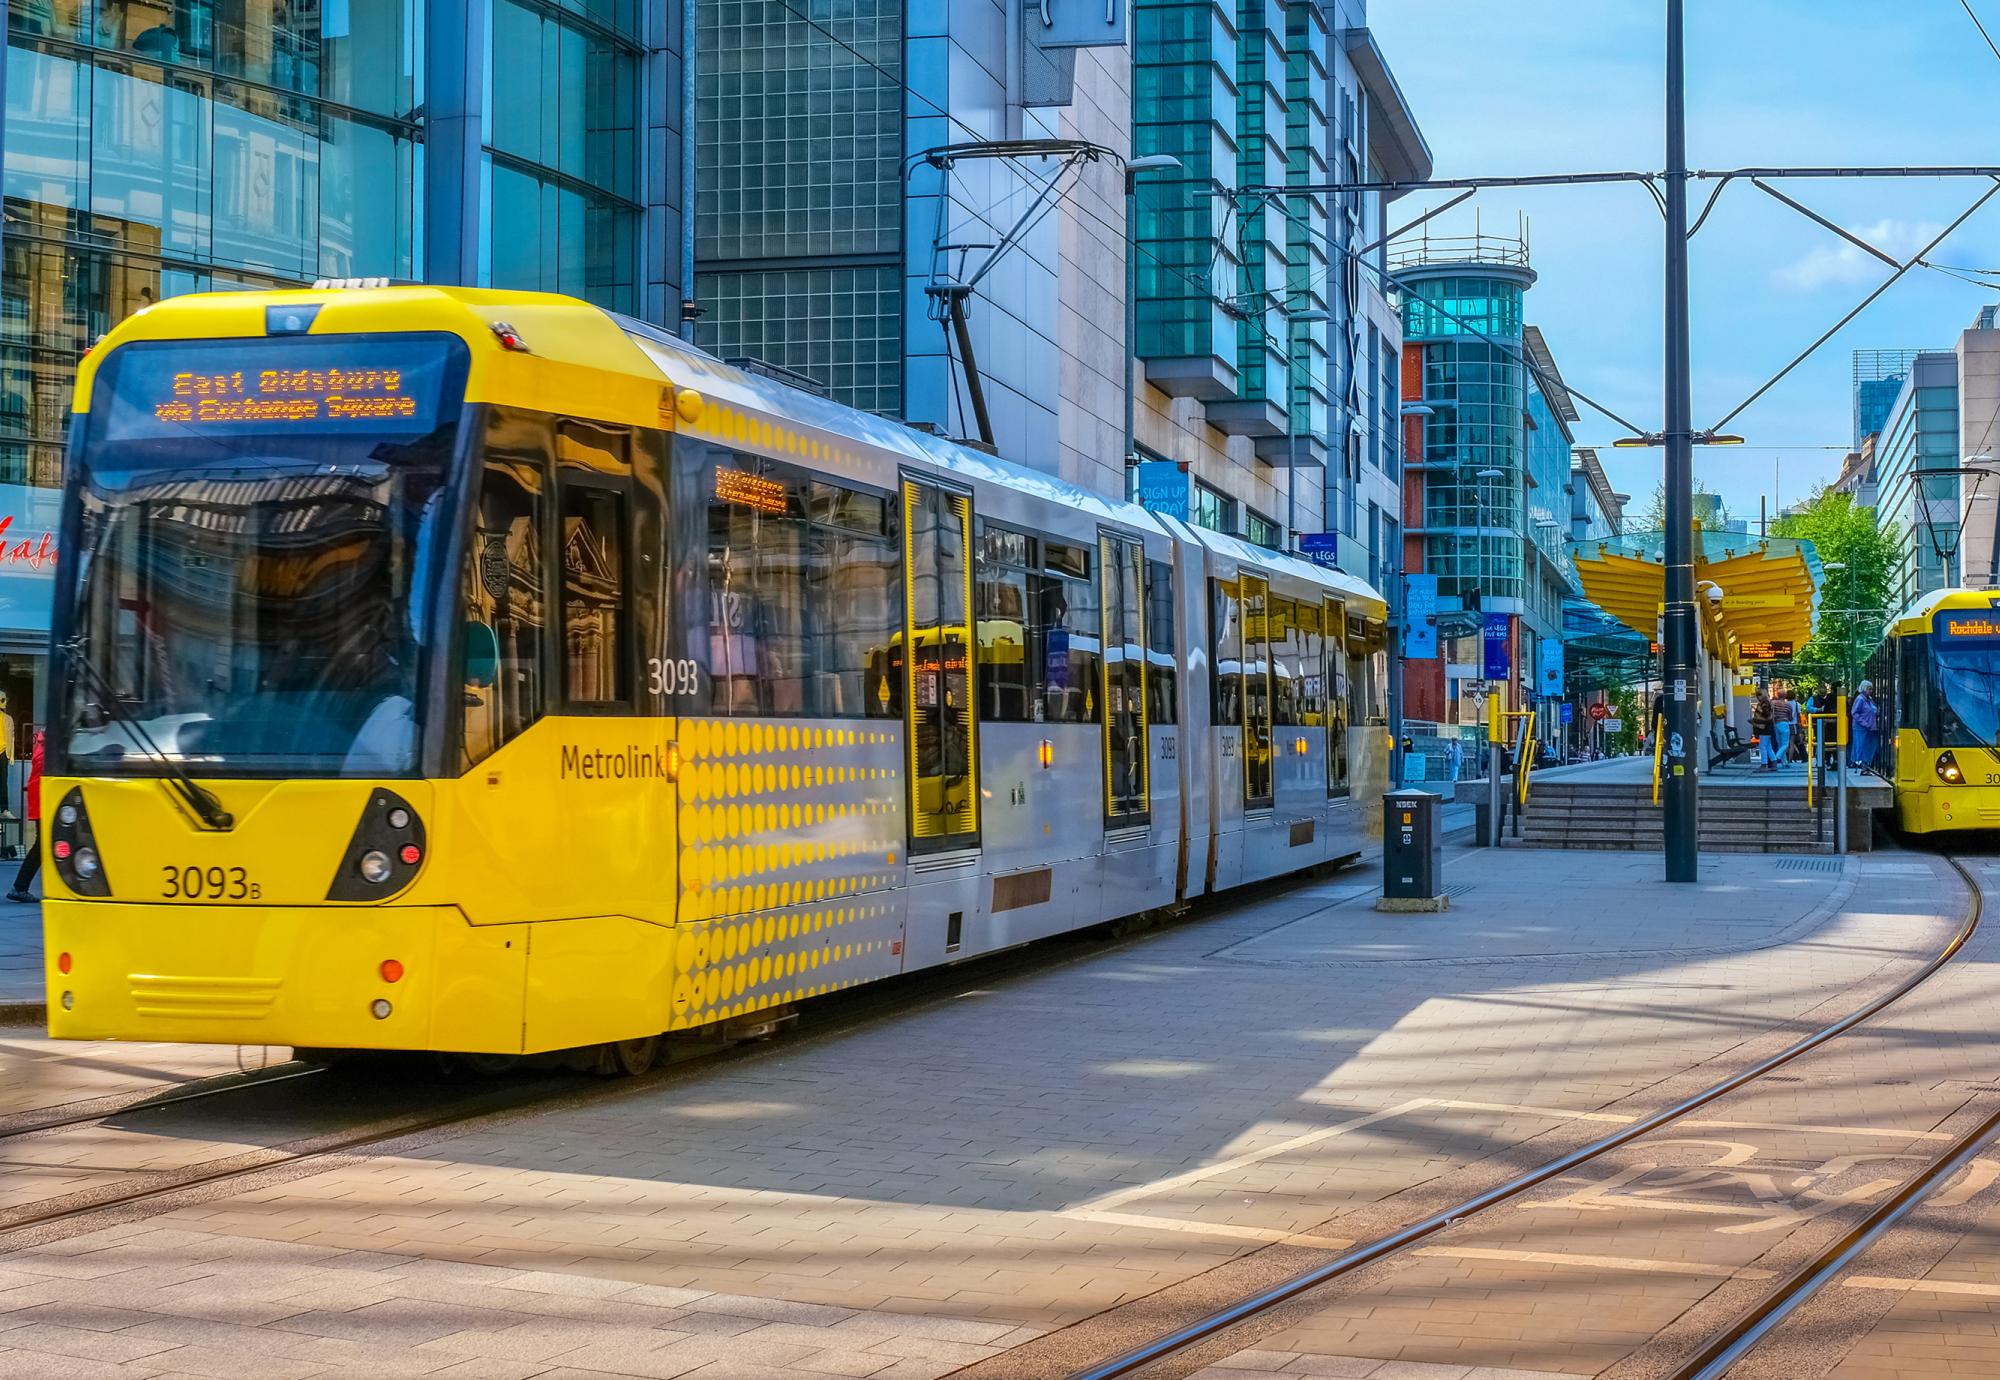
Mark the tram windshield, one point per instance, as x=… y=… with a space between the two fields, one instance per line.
x=259 y=526
x=1968 y=694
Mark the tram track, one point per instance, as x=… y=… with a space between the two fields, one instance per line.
x=1724 y=1347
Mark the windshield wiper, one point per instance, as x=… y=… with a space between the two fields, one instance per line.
x=199 y=798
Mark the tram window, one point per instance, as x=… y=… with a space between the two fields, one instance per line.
x=853 y=609
x=804 y=594
x=504 y=603
x=1008 y=692
x=595 y=628
x=1310 y=659
x=1257 y=691
x=1338 y=779
x=1162 y=668
x=1287 y=668
x=1226 y=655
x=1124 y=678
x=1068 y=634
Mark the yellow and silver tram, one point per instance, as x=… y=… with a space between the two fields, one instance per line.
x=1937 y=685
x=483 y=672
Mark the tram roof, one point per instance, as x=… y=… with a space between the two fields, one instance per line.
x=1917 y=618
x=1770 y=586
x=703 y=395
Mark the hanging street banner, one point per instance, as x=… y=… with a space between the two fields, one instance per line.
x=1549 y=679
x=1420 y=609
x=1163 y=488
x=1499 y=660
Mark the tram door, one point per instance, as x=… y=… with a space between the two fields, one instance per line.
x=942 y=721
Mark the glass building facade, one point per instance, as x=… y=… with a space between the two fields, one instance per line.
x=1475 y=446
x=160 y=147
x=800 y=195
x=154 y=149
x=1927 y=511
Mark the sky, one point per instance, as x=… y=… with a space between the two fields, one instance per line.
x=1514 y=87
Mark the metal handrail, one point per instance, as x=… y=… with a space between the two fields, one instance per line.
x=1525 y=757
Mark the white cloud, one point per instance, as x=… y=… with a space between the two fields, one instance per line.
x=1843 y=263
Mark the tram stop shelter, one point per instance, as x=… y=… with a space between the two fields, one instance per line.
x=1758 y=599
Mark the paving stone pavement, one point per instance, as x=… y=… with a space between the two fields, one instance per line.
x=931 y=1190
x=20 y=955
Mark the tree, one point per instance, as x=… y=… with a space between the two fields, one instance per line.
x=1625 y=709
x=1654 y=516
x=1853 y=600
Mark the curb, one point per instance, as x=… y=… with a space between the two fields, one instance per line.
x=23 y=1013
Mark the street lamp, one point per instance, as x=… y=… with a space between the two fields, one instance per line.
x=1151 y=162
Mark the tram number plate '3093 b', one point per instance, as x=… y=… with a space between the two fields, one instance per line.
x=208 y=884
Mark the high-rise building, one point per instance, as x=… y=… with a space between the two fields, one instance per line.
x=1878 y=378
x=1920 y=493
x=156 y=147
x=860 y=164
x=1489 y=497
x=1269 y=350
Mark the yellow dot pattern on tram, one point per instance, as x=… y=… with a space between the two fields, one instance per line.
x=785 y=830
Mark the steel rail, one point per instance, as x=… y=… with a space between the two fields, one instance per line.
x=1756 y=1322
x=1401 y=1240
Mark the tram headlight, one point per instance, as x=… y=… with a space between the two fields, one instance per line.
x=385 y=853
x=1948 y=770
x=86 y=863
x=73 y=847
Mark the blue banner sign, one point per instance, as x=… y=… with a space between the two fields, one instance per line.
x=1163 y=488
x=1568 y=713
x=1420 y=610
x=1499 y=662
x=1321 y=548
x=1550 y=667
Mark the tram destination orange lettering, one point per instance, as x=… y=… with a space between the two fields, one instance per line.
x=286 y=396
x=629 y=763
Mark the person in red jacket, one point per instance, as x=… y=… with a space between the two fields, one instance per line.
x=31 y=863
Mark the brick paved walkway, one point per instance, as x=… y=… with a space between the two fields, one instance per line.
x=929 y=1191
x=20 y=955
x=1587 y=1275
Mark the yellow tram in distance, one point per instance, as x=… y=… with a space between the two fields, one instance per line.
x=483 y=672
x=1937 y=682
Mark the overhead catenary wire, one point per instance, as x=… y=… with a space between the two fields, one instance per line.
x=1973 y=15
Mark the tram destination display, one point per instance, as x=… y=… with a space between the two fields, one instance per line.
x=380 y=385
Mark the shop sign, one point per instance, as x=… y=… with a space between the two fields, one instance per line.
x=27 y=557
x=1600 y=712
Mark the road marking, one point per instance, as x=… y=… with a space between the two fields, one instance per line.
x=1924 y=1286
x=1283 y=1147
x=1267 y=1235
x=1599 y=1262
x=1572 y=1114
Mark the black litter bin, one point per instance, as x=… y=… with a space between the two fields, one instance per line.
x=1412 y=844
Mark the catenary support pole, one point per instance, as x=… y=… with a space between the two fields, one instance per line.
x=1682 y=822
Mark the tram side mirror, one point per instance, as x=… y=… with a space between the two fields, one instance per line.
x=482 y=655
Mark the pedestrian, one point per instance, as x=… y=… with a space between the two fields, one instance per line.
x=1865 y=720
x=1760 y=729
x=1784 y=723
x=31 y=862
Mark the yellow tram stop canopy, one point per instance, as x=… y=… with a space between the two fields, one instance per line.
x=1758 y=596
